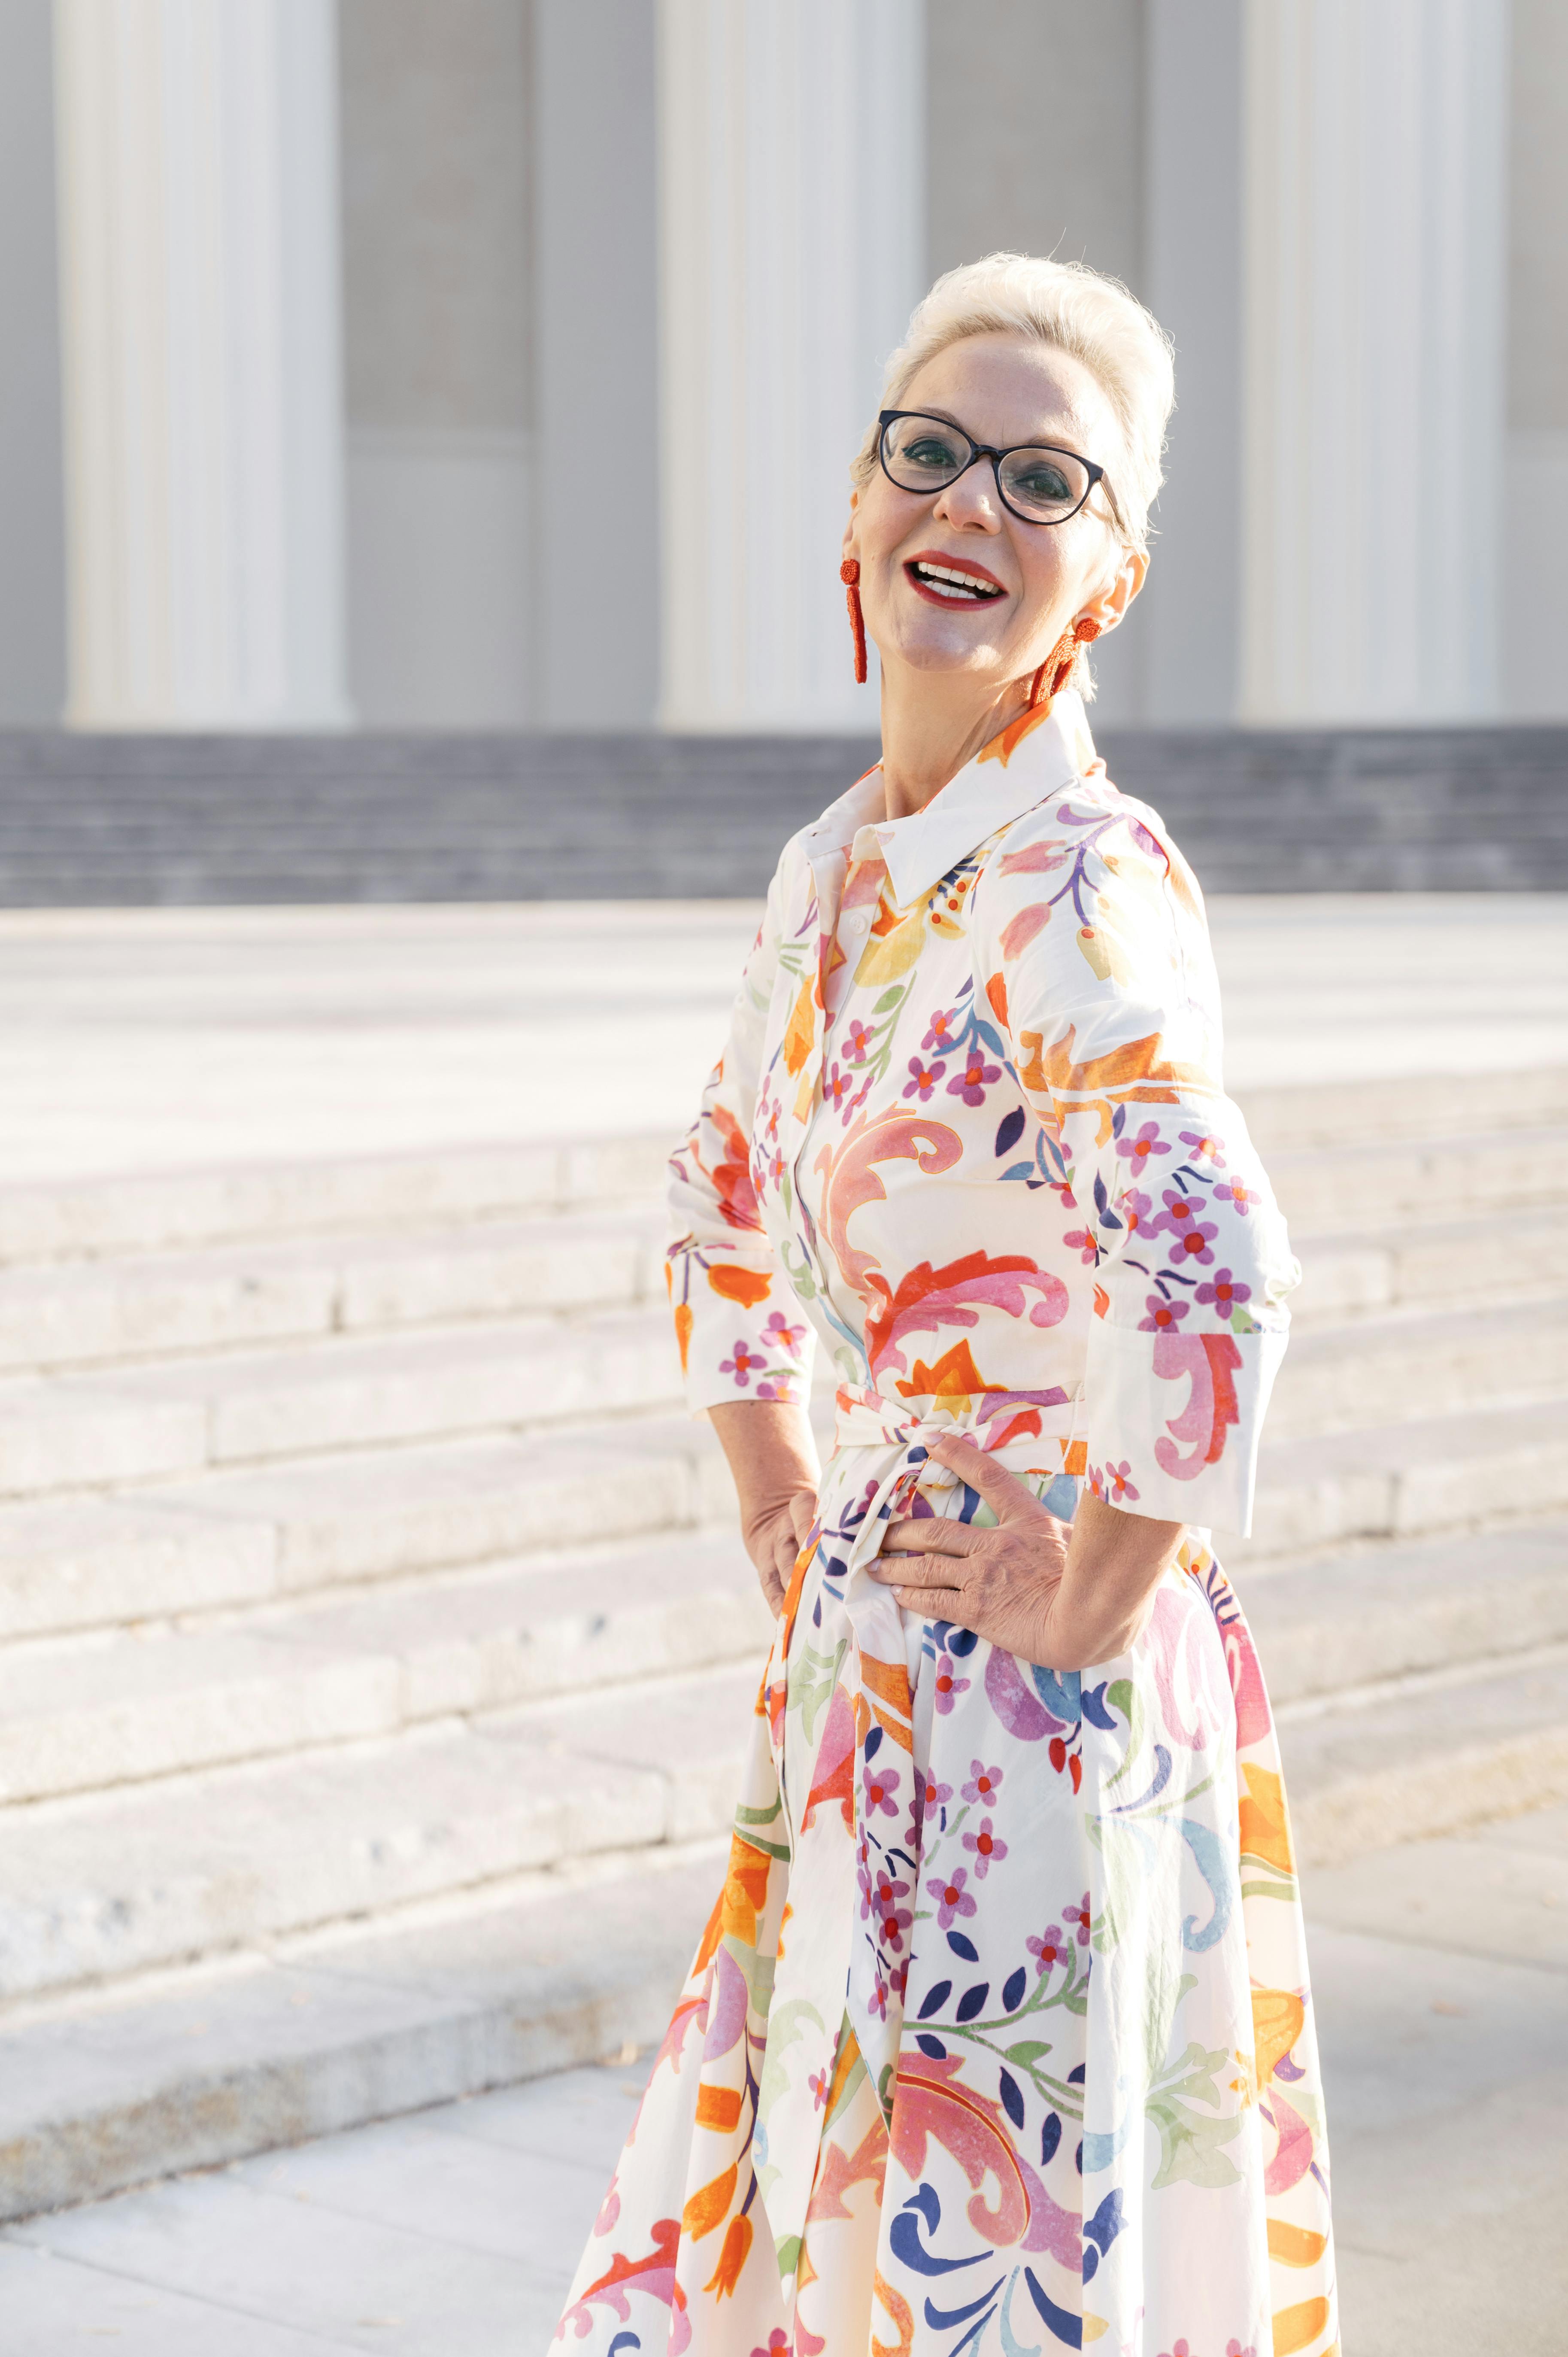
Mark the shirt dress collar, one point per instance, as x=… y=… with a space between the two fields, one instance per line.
x=1004 y=779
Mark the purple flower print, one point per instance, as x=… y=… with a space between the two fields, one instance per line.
x=744 y=1365
x=1161 y=1316
x=836 y=1087
x=859 y=1043
x=1097 y=1480
x=941 y=1034
x=778 y=2344
x=1119 y=1478
x=1224 y=1292
x=950 y=1896
x=888 y=1888
x=983 y=1784
x=781 y=1335
x=1233 y=2348
x=926 y=1077
x=1049 y=1949
x=881 y=1784
x=976 y=1077
x=1079 y=1915
x=779 y=1387
x=818 y=2084
x=988 y=1851
x=1135 y=1209
x=935 y=1795
x=1079 y=1241
x=1207 y=1149
x=1137 y=1150
x=1232 y=1191
x=1183 y=1220
x=879 y=1999
x=949 y=1685
x=892 y=1924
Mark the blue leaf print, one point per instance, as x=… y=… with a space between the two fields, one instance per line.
x=1093 y=1708
x=1012 y=1990
x=972 y=2001
x=938 y=2318
x=1050 y=2136
x=904 y=2236
x=1106 y=2223
x=1011 y=2100
x=932 y=2047
x=963 y=1946
x=1059 y=1694
x=1069 y=2330
x=1010 y=1132
x=872 y=1744
x=935 y=1999
x=1215 y=1868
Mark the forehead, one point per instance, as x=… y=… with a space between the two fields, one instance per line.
x=1005 y=388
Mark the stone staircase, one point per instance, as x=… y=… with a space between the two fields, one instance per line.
x=376 y=1650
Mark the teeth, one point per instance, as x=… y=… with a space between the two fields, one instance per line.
x=965 y=584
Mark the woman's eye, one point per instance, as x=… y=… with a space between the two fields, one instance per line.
x=928 y=452
x=1044 y=482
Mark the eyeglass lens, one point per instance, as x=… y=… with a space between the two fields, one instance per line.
x=926 y=454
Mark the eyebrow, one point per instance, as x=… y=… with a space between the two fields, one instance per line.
x=947 y=418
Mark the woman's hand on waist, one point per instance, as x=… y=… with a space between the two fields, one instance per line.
x=1065 y=1595
x=773 y=1460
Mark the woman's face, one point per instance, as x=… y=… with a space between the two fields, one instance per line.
x=1031 y=582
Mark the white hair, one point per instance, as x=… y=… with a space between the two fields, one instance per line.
x=1078 y=311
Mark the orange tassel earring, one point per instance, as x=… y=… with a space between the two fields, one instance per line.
x=849 y=574
x=1059 y=664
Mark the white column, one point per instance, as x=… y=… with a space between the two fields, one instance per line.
x=1376 y=260
x=792 y=241
x=199 y=248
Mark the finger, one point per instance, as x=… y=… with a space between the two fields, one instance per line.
x=924 y=1572
x=1002 y=1492
x=930 y=1535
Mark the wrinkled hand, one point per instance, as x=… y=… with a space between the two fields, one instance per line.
x=1065 y=1595
x=773 y=1535
x=1001 y=1582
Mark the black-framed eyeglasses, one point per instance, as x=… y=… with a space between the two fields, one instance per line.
x=1035 y=481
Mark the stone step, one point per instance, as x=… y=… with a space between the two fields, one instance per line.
x=88 y=1714
x=1447 y=1174
x=1458 y=1263
x=241 y=1297
x=95 y=1887
x=226 y=1541
x=138 y=1422
x=155 y=1211
x=1329 y=1624
x=1383 y=1481
x=1296 y=1117
x=233 y=1298
x=1425 y=1755
x=295 y=2038
x=1423 y=1363
x=271 y=2048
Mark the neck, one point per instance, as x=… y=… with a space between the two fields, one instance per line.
x=932 y=723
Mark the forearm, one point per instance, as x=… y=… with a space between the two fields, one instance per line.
x=771 y=1454
x=1114 y=1562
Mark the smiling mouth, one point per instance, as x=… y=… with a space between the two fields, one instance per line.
x=952 y=585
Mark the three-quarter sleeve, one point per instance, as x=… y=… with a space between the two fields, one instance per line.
x=1099 y=968
x=741 y=1332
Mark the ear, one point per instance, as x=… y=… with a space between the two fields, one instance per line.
x=1111 y=601
x=851 y=547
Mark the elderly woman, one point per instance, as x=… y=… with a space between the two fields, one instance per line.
x=999 y=2039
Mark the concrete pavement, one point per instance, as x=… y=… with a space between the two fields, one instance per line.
x=1441 y=1973
x=153 y=1038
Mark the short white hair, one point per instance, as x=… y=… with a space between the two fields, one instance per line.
x=1077 y=310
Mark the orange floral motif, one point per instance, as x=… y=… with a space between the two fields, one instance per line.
x=1265 y=1824
x=732 y=2257
x=747 y=1285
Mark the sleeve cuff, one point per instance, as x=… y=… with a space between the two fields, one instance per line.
x=742 y=1333
x=1174 y=1421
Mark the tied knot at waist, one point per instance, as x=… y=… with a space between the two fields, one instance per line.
x=1027 y=1433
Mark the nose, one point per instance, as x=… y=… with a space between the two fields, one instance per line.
x=971 y=503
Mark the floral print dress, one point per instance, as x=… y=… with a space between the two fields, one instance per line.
x=999 y=2041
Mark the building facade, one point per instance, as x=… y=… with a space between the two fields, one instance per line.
x=493 y=363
